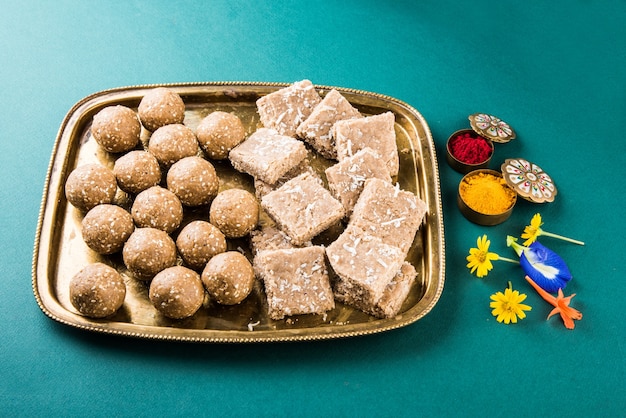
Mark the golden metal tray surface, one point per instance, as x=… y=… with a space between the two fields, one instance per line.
x=60 y=252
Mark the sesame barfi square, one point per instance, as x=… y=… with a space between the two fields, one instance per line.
x=303 y=208
x=389 y=213
x=316 y=129
x=364 y=265
x=262 y=188
x=267 y=155
x=296 y=281
x=269 y=237
x=285 y=109
x=376 y=132
x=395 y=294
x=390 y=302
x=347 y=178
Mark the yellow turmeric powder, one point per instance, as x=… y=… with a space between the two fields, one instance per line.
x=487 y=194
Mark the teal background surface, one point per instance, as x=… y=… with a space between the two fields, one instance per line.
x=556 y=71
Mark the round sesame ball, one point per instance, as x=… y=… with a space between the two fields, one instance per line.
x=193 y=180
x=90 y=185
x=159 y=107
x=137 y=171
x=228 y=278
x=218 y=133
x=147 y=252
x=116 y=128
x=198 y=242
x=105 y=228
x=171 y=143
x=97 y=290
x=177 y=292
x=159 y=208
x=235 y=212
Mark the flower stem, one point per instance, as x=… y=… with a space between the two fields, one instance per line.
x=550 y=234
x=510 y=260
x=512 y=242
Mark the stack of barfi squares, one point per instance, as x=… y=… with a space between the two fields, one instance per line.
x=367 y=261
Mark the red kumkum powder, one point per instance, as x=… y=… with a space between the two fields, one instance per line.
x=470 y=149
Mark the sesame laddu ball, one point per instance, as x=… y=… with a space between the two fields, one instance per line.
x=158 y=208
x=198 y=242
x=90 y=185
x=159 y=107
x=228 y=278
x=218 y=133
x=97 y=290
x=105 y=228
x=116 y=128
x=137 y=171
x=171 y=143
x=177 y=292
x=193 y=180
x=147 y=252
x=235 y=212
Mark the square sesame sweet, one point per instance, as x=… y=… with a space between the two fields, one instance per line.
x=376 y=132
x=347 y=178
x=269 y=237
x=262 y=188
x=285 y=109
x=267 y=155
x=296 y=281
x=364 y=265
x=316 y=129
x=393 y=296
x=303 y=208
x=389 y=213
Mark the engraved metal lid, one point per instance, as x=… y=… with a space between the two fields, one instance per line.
x=491 y=127
x=528 y=180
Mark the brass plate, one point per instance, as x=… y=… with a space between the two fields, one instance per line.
x=60 y=251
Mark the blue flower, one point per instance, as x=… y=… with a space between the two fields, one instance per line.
x=542 y=265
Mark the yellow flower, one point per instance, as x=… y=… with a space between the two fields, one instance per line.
x=479 y=259
x=533 y=231
x=508 y=306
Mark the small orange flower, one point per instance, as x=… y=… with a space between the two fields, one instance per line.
x=560 y=303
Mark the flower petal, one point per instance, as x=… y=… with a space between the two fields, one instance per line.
x=560 y=303
x=567 y=320
x=532 y=231
x=498 y=297
x=483 y=243
x=491 y=257
x=545 y=267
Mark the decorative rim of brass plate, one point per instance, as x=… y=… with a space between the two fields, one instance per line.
x=432 y=262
